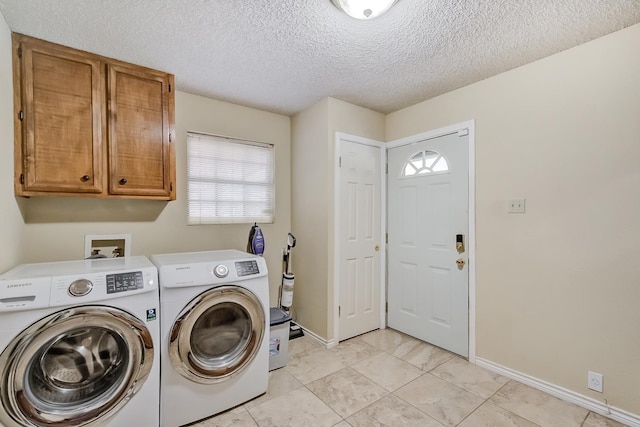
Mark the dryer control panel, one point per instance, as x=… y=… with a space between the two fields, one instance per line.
x=208 y=268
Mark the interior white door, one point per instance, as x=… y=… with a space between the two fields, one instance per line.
x=359 y=239
x=428 y=281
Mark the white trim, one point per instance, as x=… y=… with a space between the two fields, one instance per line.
x=339 y=136
x=471 y=241
x=471 y=125
x=317 y=338
x=586 y=402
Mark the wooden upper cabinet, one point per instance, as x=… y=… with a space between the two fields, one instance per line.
x=139 y=132
x=62 y=106
x=87 y=125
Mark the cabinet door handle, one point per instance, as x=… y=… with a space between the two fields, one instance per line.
x=85 y=178
x=123 y=181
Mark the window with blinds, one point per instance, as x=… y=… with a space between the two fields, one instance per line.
x=230 y=181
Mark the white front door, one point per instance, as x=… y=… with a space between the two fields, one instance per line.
x=359 y=239
x=428 y=281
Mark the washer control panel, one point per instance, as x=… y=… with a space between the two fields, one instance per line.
x=124 y=282
x=247 y=268
x=88 y=287
x=51 y=284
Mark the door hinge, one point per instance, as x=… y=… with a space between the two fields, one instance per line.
x=340 y=161
x=386 y=238
x=339 y=311
x=386 y=169
x=19 y=52
x=21 y=178
x=169 y=87
x=21 y=115
x=386 y=307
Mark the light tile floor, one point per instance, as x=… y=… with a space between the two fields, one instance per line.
x=385 y=378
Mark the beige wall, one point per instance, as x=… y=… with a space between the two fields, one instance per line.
x=11 y=223
x=56 y=227
x=558 y=287
x=309 y=216
x=312 y=171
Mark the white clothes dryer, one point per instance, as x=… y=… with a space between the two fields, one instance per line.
x=79 y=344
x=215 y=332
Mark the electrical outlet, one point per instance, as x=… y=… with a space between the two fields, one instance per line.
x=516 y=206
x=594 y=381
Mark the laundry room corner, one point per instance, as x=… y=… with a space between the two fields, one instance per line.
x=56 y=226
x=11 y=222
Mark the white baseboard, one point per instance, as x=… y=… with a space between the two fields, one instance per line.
x=323 y=342
x=586 y=402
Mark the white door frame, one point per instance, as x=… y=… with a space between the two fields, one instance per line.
x=471 y=241
x=339 y=137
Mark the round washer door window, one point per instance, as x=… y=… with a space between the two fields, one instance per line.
x=74 y=366
x=217 y=334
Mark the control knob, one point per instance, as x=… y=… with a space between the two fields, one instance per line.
x=80 y=288
x=221 y=271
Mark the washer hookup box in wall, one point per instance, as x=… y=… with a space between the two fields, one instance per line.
x=278 y=338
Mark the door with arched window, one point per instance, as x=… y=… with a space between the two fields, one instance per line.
x=428 y=209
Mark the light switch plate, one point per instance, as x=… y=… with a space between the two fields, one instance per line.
x=516 y=206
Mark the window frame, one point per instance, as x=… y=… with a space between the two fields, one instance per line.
x=197 y=215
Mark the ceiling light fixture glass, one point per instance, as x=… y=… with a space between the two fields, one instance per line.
x=364 y=9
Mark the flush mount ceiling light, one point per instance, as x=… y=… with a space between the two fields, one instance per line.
x=364 y=9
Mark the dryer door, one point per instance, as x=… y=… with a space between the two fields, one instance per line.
x=74 y=367
x=217 y=334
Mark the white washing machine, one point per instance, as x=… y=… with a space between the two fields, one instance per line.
x=215 y=332
x=79 y=344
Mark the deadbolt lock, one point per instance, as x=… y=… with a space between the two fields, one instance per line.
x=460 y=263
x=460 y=243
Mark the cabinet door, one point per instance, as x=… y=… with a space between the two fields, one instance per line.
x=62 y=98
x=140 y=125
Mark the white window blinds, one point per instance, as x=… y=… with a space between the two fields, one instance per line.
x=229 y=180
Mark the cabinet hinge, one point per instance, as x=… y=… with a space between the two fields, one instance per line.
x=21 y=178
x=169 y=136
x=340 y=161
x=169 y=87
x=19 y=52
x=171 y=186
x=21 y=115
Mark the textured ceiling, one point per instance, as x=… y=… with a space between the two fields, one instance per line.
x=285 y=55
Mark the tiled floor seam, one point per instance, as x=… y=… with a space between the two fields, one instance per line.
x=508 y=410
x=413 y=406
x=585 y=419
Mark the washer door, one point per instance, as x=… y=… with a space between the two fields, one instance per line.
x=74 y=367
x=217 y=334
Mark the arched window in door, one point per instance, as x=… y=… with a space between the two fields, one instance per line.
x=425 y=162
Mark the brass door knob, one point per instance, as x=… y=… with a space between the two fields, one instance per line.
x=460 y=263
x=377 y=248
